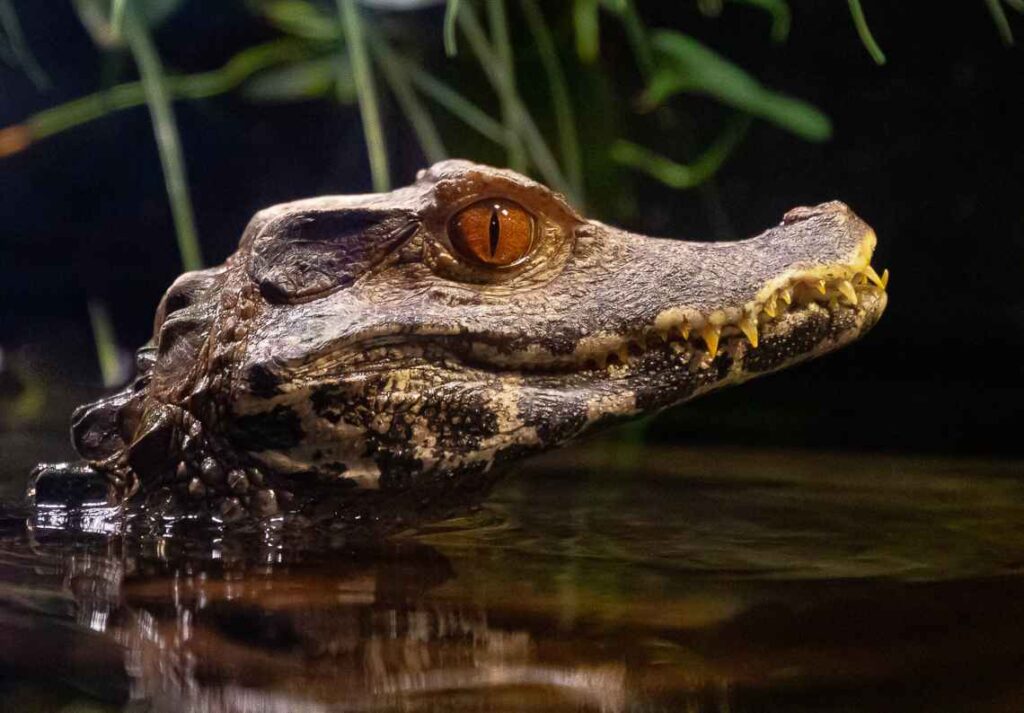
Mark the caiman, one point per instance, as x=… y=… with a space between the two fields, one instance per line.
x=371 y=356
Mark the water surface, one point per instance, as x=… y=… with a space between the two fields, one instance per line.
x=608 y=577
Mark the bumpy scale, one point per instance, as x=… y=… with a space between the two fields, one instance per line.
x=371 y=354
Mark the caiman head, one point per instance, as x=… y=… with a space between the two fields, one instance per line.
x=414 y=339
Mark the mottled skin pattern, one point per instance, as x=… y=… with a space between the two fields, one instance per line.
x=347 y=361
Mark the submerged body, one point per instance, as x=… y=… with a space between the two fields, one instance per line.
x=382 y=353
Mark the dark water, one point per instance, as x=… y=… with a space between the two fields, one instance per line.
x=606 y=578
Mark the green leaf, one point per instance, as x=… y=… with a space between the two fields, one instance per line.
x=866 y=38
x=302 y=19
x=678 y=175
x=300 y=81
x=684 y=65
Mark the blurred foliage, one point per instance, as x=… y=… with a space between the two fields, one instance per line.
x=14 y=50
x=995 y=8
x=375 y=54
x=350 y=52
x=22 y=393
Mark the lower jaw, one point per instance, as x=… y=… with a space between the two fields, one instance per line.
x=683 y=370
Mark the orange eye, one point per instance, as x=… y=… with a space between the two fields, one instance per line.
x=494 y=232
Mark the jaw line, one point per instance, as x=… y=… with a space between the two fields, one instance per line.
x=613 y=357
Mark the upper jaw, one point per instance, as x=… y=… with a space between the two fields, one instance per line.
x=620 y=299
x=705 y=297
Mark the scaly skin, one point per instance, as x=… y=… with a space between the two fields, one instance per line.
x=348 y=360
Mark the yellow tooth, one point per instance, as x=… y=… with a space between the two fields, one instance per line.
x=710 y=334
x=885 y=278
x=771 y=307
x=873 y=276
x=821 y=286
x=846 y=289
x=787 y=295
x=684 y=329
x=748 y=325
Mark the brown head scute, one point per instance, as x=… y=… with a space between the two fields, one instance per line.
x=407 y=342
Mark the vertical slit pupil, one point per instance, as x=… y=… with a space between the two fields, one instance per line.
x=495 y=230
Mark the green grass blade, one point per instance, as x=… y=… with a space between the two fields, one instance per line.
x=682 y=176
x=117 y=16
x=369 y=109
x=106 y=343
x=451 y=14
x=398 y=81
x=460 y=107
x=565 y=118
x=587 y=24
x=166 y=130
x=524 y=128
x=868 y=40
x=503 y=51
x=995 y=9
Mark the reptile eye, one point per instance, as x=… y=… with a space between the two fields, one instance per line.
x=494 y=232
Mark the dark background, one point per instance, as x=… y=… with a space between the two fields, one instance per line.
x=927 y=149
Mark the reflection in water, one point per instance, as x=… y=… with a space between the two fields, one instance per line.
x=711 y=582
x=254 y=623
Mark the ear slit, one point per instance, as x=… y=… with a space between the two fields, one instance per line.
x=306 y=255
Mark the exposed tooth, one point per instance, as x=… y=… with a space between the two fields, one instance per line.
x=684 y=330
x=821 y=286
x=873 y=276
x=787 y=295
x=885 y=278
x=710 y=334
x=846 y=289
x=771 y=307
x=748 y=325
